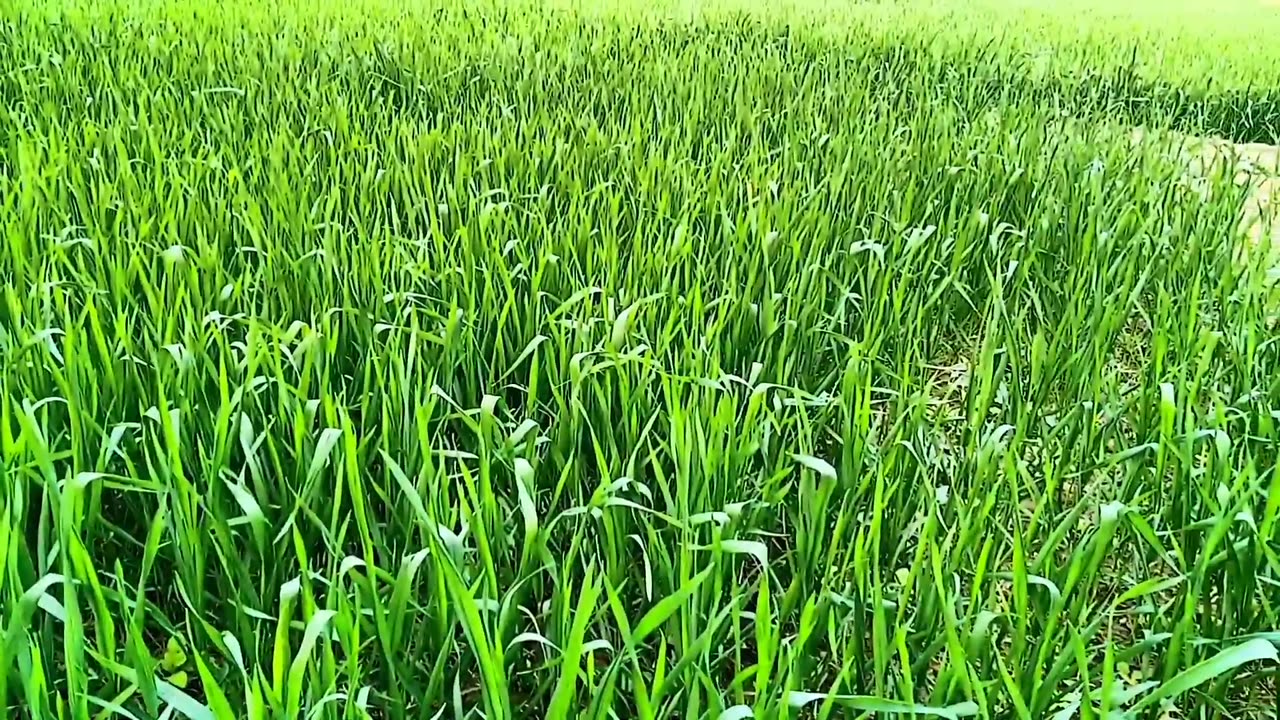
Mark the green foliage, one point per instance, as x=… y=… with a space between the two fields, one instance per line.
x=518 y=359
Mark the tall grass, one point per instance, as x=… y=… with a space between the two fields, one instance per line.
x=503 y=361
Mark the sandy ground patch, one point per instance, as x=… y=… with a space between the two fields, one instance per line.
x=1255 y=165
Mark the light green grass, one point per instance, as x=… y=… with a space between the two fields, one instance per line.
x=1195 y=46
x=509 y=360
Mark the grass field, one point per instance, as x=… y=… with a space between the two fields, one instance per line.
x=665 y=359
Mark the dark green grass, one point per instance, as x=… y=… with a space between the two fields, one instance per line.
x=446 y=362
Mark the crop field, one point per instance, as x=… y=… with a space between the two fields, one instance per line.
x=508 y=359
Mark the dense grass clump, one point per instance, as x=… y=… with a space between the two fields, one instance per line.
x=510 y=359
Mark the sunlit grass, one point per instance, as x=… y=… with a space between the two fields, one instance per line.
x=506 y=361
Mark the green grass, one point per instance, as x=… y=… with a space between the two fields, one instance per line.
x=514 y=360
